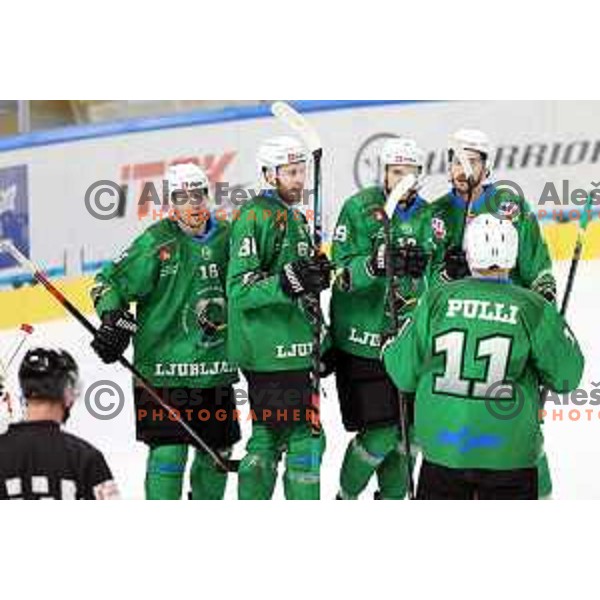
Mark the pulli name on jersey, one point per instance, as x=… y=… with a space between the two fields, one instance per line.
x=483 y=311
x=193 y=369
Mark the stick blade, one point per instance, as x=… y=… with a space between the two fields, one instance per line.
x=5 y=245
x=466 y=165
x=400 y=190
x=586 y=214
x=293 y=119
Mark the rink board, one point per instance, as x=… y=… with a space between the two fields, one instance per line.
x=34 y=304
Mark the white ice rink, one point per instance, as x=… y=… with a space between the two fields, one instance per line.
x=572 y=445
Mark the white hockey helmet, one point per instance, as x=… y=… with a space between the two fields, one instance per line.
x=402 y=151
x=279 y=151
x=472 y=139
x=491 y=242
x=186 y=176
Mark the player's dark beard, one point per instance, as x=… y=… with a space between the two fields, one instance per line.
x=291 y=196
x=477 y=183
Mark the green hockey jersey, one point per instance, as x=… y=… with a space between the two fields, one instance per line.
x=475 y=352
x=359 y=311
x=534 y=267
x=178 y=284
x=268 y=330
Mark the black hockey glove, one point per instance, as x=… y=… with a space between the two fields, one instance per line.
x=546 y=287
x=410 y=260
x=306 y=276
x=455 y=264
x=113 y=336
x=376 y=265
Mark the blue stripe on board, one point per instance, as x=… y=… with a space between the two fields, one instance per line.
x=206 y=117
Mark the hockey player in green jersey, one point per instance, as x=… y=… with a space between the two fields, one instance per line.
x=533 y=268
x=272 y=273
x=360 y=318
x=175 y=272
x=469 y=348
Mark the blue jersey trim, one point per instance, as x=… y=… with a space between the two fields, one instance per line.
x=488 y=190
x=404 y=214
x=209 y=232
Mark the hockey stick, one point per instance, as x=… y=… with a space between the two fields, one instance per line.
x=310 y=138
x=8 y=247
x=468 y=169
x=293 y=119
x=400 y=190
x=584 y=221
x=27 y=330
x=405 y=185
x=4 y=366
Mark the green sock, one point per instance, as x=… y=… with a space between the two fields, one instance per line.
x=165 y=468
x=544 y=477
x=391 y=476
x=208 y=482
x=257 y=473
x=304 y=453
x=365 y=453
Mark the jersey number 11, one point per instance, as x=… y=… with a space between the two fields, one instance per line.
x=495 y=349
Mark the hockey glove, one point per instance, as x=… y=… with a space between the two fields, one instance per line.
x=306 y=276
x=410 y=260
x=376 y=265
x=455 y=264
x=113 y=336
x=546 y=287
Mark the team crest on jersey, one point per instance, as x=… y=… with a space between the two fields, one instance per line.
x=205 y=318
x=439 y=228
x=205 y=252
x=164 y=254
x=378 y=214
x=508 y=210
